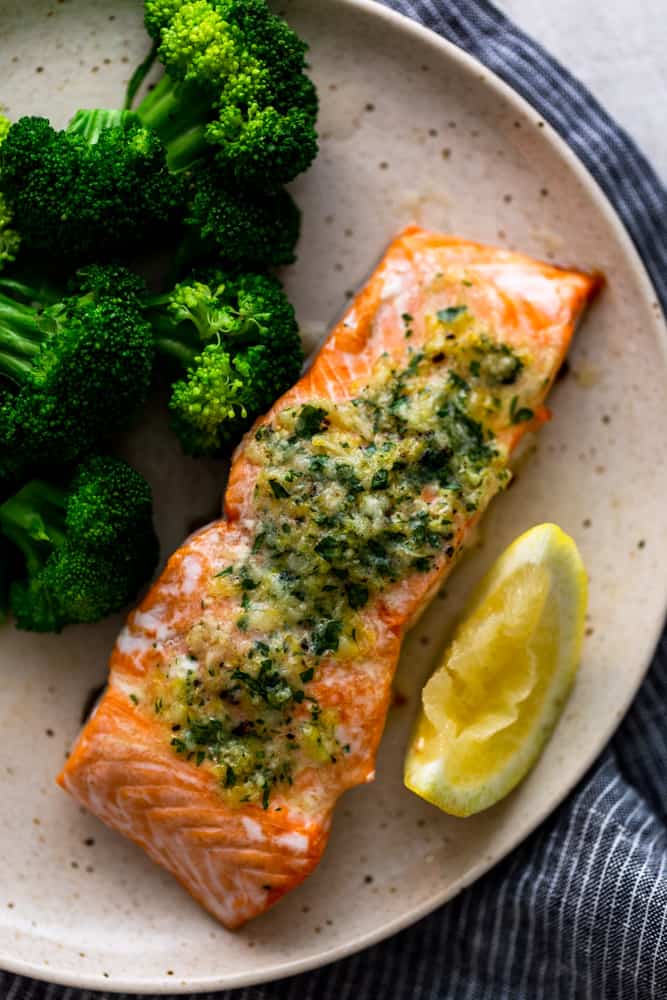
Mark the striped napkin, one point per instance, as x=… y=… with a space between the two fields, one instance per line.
x=580 y=909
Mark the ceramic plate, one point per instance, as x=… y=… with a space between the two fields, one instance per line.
x=412 y=130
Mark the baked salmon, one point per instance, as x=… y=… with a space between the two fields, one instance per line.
x=250 y=687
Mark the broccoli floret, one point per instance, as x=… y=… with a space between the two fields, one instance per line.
x=235 y=81
x=90 y=191
x=242 y=228
x=10 y=241
x=209 y=407
x=98 y=189
x=88 y=548
x=76 y=369
x=236 y=341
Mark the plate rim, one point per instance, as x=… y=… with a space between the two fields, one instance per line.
x=290 y=967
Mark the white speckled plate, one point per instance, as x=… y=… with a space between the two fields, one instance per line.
x=411 y=130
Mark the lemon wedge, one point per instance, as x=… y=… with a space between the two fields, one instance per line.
x=491 y=705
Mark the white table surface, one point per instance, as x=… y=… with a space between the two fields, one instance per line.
x=618 y=48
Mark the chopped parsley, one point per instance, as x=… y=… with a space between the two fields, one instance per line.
x=451 y=313
x=519 y=414
x=326 y=637
x=278 y=489
x=357 y=595
x=310 y=421
x=380 y=480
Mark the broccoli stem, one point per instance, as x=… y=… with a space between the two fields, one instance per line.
x=184 y=150
x=44 y=293
x=90 y=124
x=138 y=77
x=176 y=350
x=21 y=334
x=34 y=520
x=178 y=113
x=166 y=339
x=191 y=249
x=150 y=106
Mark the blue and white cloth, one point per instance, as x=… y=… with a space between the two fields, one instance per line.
x=579 y=911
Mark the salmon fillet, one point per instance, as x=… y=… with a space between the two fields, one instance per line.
x=250 y=687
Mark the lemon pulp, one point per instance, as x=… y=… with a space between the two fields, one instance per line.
x=492 y=703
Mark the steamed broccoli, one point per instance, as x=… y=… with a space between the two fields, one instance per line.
x=243 y=228
x=231 y=121
x=75 y=370
x=88 y=548
x=234 y=81
x=90 y=191
x=10 y=241
x=236 y=341
x=99 y=189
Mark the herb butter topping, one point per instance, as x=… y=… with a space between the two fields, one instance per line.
x=351 y=498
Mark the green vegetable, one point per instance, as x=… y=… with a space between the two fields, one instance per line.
x=278 y=489
x=357 y=595
x=519 y=415
x=236 y=341
x=10 y=240
x=90 y=191
x=102 y=188
x=87 y=548
x=245 y=227
x=204 y=156
x=380 y=480
x=451 y=313
x=498 y=365
x=328 y=547
x=311 y=420
x=326 y=637
x=268 y=686
x=75 y=370
x=234 y=84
